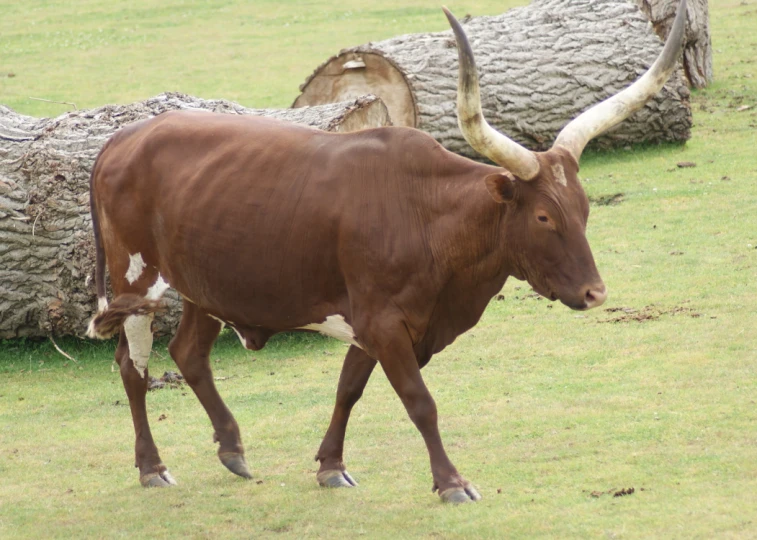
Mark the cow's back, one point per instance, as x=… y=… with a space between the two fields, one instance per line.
x=261 y=219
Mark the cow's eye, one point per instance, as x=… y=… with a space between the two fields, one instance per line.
x=543 y=219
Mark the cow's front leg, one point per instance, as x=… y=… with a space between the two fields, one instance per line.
x=152 y=472
x=356 y=371
x=394 y=351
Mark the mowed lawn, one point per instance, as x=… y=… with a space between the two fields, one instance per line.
x=549 y=412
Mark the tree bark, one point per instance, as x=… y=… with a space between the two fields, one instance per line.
x=539 y=67
x=46 y=245
x=697 y=50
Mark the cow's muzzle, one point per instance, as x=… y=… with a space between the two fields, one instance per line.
x=591 y=296
x=595 y=296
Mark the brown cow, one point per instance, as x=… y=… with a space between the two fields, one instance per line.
x=380 y=238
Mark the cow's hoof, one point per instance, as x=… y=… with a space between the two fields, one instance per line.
x=235 y=463
x=335 y=479
x=163 y=479
x=459 y=495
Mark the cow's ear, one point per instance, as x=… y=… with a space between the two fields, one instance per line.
x=502 y=187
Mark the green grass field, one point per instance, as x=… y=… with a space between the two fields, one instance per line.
x=92 y=52
x=548 y=411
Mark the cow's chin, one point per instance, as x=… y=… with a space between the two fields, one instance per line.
x=546 y=292
x=575 y=302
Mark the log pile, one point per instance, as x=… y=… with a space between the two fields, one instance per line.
x=46 y=243
x=539 y=65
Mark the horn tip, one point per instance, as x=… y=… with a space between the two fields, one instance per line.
x=450 y=17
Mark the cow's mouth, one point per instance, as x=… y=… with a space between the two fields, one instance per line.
x=577 y=306
x=552 y=296
x=583 y=306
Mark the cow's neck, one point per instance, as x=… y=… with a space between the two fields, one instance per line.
x=476 y=241
x=476 y=259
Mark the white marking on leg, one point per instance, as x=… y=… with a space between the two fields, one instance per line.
x=335 y=326
x=139 y=336
x=136 y=266
x=102 y=304
x=158 y=289
x=138 y=328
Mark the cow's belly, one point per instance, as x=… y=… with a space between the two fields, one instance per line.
x=256 y=310
x=255 y=338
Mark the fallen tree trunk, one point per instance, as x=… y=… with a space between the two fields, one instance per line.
x=697 y=49
x=539 y=66
x=46 y=242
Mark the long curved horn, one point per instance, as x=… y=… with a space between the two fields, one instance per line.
x=476 y=130
x=602 y=116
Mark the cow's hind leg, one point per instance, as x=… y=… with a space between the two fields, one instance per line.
x=190 y=349
x=356 y=371
x=131 y=313
x=132 y=353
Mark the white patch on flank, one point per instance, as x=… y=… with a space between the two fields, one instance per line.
x=241 y=339
x=139 y=336
x=158 y=289
x=334 y=326
x=102 y=304
x=136 y=266
x=223 y=323
x=559 y=173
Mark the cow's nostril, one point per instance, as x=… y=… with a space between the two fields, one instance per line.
x=595 y=296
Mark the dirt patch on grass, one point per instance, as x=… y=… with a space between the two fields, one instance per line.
x=170 y=379
x=606 y=200
x=645 y=314
x=615 y=492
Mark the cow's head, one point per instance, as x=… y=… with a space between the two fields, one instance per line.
x=547 y=207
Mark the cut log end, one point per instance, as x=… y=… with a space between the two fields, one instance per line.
x=351 y=74
x=368 y=112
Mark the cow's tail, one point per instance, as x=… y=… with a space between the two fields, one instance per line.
x=109 y=318
x=108 y=322
x=102 y=298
